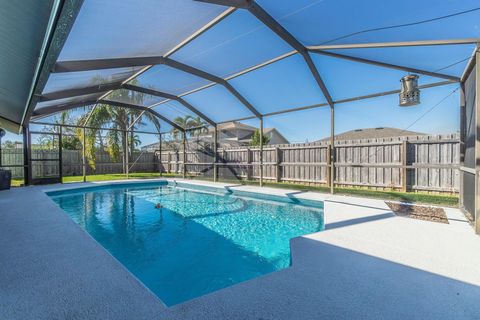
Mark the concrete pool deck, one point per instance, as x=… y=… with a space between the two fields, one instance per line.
x=367 y=264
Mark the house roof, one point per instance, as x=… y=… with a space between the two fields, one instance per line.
x=233 y=125
x=374 y=133
x=268 y=130
x=238 y=125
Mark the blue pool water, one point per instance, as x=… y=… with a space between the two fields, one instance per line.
x=199 y=241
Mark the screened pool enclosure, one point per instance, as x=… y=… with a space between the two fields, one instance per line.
x=174 y=71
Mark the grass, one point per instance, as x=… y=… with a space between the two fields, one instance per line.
x=103 y=177
x=16 y=182
x=420 y=198
x=106 y=177
x=410 y=197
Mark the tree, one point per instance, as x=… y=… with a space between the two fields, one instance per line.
x=8 y=144
x=197 y=124
x=200 y=127
x=117 y=118
x=69 y=140
x=182 y=122
x=134 y=141
x=256 y=139
x=189 y=122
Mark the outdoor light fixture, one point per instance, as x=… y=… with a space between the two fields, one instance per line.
x=409 y=93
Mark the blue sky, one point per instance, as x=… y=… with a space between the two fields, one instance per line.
x=241 y=41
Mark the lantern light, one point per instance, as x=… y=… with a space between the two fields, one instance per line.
x=409 y=93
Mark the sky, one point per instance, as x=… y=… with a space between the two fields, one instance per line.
x=241 y=41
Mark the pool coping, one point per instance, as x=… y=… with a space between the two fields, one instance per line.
x=221 y=188
x=226 y=302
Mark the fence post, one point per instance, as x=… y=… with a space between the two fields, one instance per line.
x=126 y=153
x=329 y=165
x=215 y=153
x=278 y=159
x=404 y=166
x=332 y=149
x=84 y=160
x=60 y=155
x=249 y=164
x=184 y=171
x=160 y=165
x=261 y=151
x=177 y=166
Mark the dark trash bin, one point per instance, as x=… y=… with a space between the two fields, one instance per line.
x=5 y=179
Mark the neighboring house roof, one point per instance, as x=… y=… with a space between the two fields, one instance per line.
x=374 y=133
x=233 y=125
x=229 y=136
x=272 y=131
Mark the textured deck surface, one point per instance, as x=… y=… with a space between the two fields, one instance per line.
x=368 y=264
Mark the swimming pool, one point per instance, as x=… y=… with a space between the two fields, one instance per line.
x=199 y=241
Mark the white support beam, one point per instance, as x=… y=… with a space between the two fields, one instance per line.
x=418 y=43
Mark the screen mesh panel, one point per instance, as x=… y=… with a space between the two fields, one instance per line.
x=218 y=104
x=133 y=97
x=470 y=125
x=129 y=28
x=81 y=79
x=435 y=114
x=315 y=22
x=236 y=43
x=282 y=85
x=169 y=80
x=448 y=59
x=173 y=110
x=86 y=97
x=71 y=117
x=347 y=79
x=469 y=179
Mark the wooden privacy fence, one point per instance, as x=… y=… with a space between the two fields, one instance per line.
x=12 y=159
x=421 y=163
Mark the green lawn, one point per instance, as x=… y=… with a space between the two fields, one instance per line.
x=103 y=177
x=106 y=177
x=16 y=182
x=421 y=198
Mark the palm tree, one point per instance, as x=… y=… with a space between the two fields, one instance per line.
x=135 y=141
x=120 y=119
x=182 y=122
x=188 y=121
x=200 y=127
